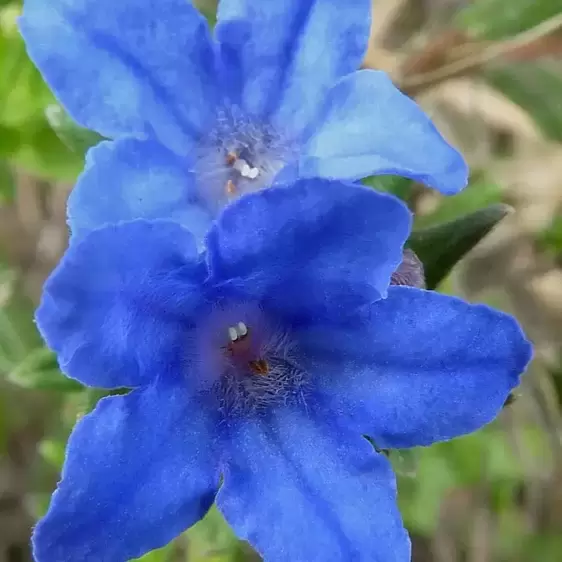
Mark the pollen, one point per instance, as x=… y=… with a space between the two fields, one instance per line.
x=245 y=170
x=241 y=165
x=232 y=334
x=252 y=173
x=230 y=188
x=237 y=332
x=231 y=157
x=259 y=367
x=243 y=352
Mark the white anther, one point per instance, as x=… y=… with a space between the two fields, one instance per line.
x=242 y=329
x=253 y=173
x=232 y=333
x=244 y=169
x=239 y=165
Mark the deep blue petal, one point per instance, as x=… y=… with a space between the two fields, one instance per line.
x=129 y=179
x=369 y=127
x=117 y=307
x=421 y=367
x=311 y=248
x=281 y=57
x=299 y=489
x=139 y=470
x=125 y=67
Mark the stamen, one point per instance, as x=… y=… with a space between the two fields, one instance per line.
x=244 y=169
x=241 y=166
x=259 y=367
x=231 y=157
x=230 y=188
x=253 y=173
x=238 y=332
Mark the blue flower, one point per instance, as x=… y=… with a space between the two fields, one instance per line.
x=263 y=362
x=198 y=119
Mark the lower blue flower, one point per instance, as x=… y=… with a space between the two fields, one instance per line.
x=261 y=363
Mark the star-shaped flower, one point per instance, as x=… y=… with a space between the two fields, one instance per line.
x=198 y=118
x=262 y=363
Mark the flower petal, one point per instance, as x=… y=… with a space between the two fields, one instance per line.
x=422 y=367
x=310 y=248
x=280 y=58
x=139 y=470
x=117 y=307
x=288 y=470
x=125 y=67
x=130 y=179
x=369 y=127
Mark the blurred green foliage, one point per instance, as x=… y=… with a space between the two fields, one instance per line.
x=536 y=87
x=498 y=19
x=37 y=136
x=26 y=137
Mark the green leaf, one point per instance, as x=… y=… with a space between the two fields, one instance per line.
x=404 y=461
x=44 y=154
x=164 y=554
x=420 y=498
x=23 y=93
x=18 y=334
x=497 y=19
x=25 y=134
x=209 y=9
x=53 y=452
x=537 y=88
x=7 y=184
x=10 y=140
x=40 y=371
x=551 y=238
x=479 y=193
x=212 y=539
x=76 y=138
x=5 y=423
x=441 y=247
x=396 y=185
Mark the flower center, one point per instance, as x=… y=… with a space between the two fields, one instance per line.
x=241 y=351
x=239 y=155
x=248 y=362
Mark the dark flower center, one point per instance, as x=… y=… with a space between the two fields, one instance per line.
x=259 y=371
x=243 y=353
x=270 y=382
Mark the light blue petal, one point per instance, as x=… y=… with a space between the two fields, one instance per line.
x=117 y=307
x=126 y=67
x=130 y=179
x=281 y=57
x=139 y=470
x=369 y=127
x=298 y=489
x=311 y=248
x=421 y=367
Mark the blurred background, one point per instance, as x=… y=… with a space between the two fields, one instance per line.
x=489 y=72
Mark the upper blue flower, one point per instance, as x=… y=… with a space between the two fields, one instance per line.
x=199 y=119
x=263 y=361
